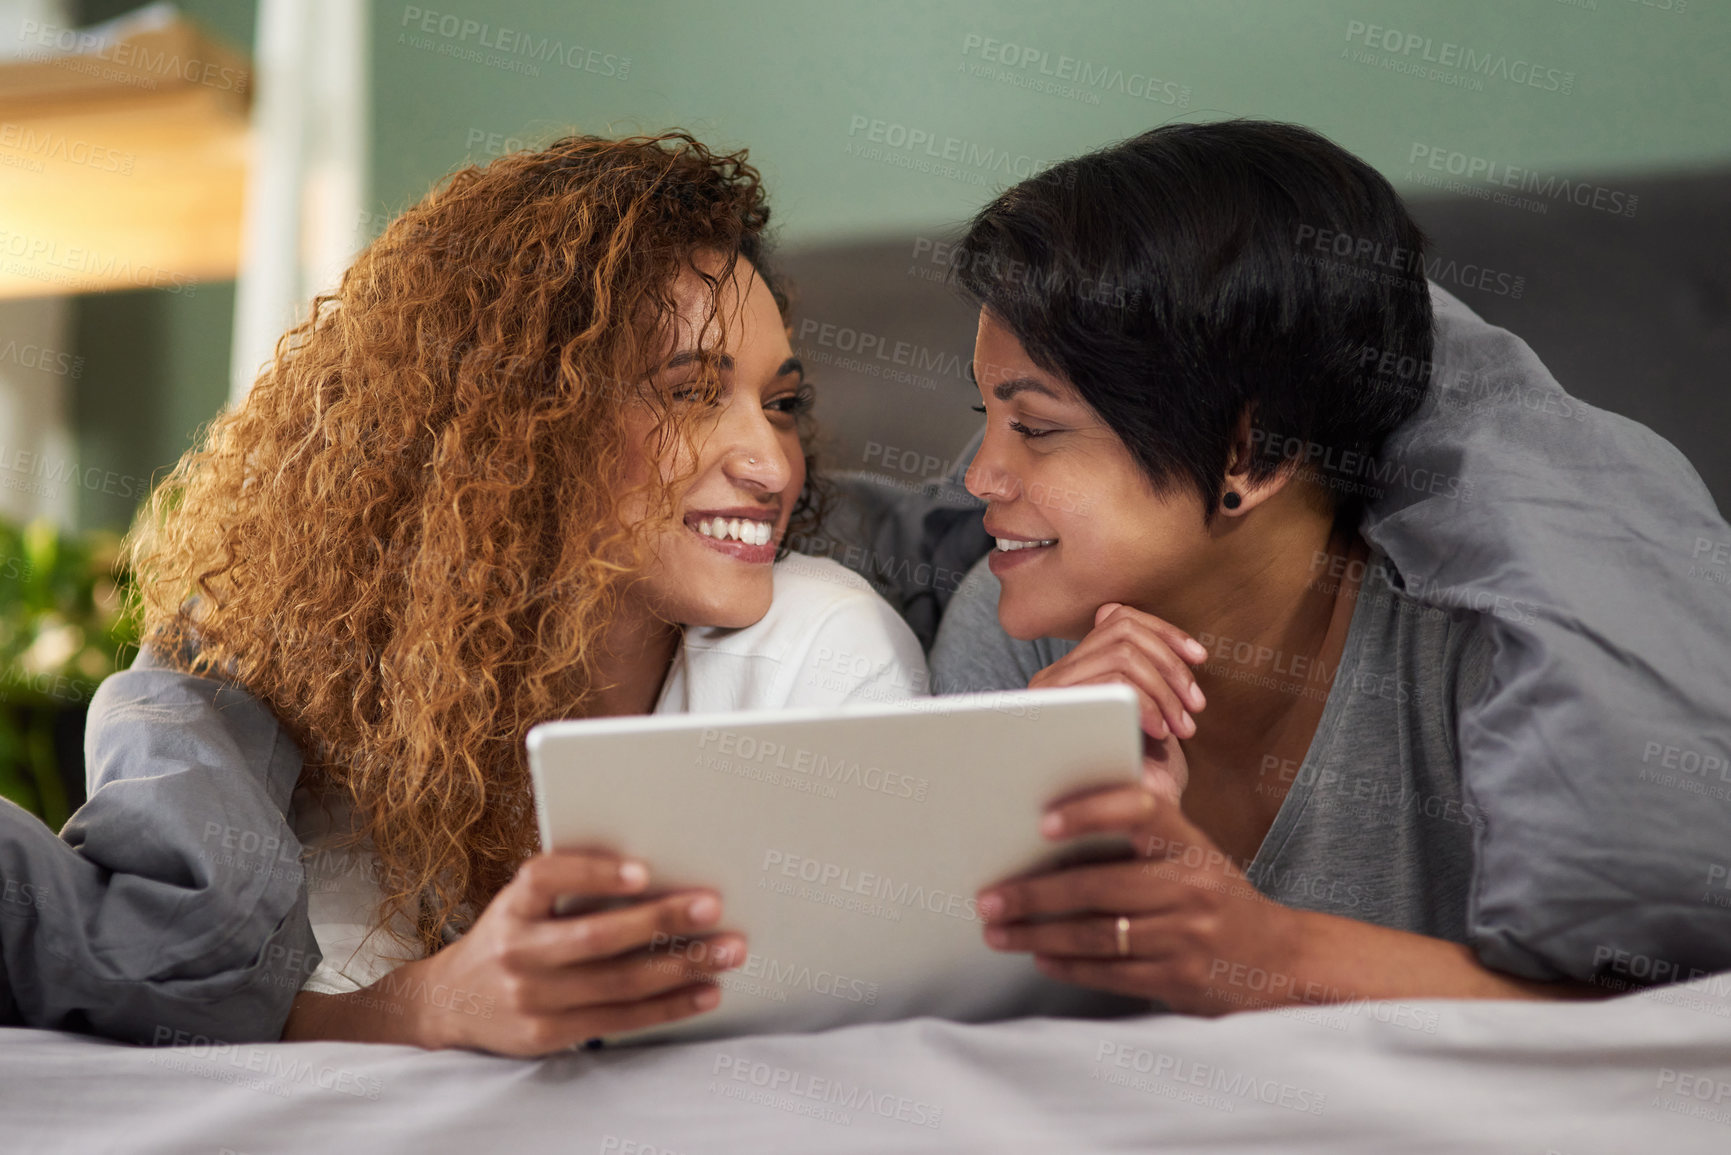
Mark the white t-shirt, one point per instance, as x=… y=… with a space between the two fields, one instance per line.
x=827 y=640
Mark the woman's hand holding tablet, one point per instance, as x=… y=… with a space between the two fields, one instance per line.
x=1155 y=926
x=526 y=981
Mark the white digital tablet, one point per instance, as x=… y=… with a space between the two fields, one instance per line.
x=848 y=844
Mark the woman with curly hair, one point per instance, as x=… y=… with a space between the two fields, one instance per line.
x=533 y=459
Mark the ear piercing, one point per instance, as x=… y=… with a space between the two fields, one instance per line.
x=1231 y=500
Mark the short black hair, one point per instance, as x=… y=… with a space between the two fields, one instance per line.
x=1197 y=270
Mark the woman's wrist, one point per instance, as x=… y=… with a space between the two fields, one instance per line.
x=1287 y=967
x=385 y=1012
x=1327 y=965
x=416 y=1019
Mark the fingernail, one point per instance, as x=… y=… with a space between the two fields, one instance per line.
x=1197 y=701
x=703 y=909
x=990 y=907
x=1188 y=722
x=1195 y=649
x=723 y=955
x=706 y=998
x=633 y=874
x=996 y=936
x=1052 y=825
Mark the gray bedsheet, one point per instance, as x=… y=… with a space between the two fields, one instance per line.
x=1649 y=1072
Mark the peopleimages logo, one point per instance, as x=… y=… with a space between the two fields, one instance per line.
x=1086 y=77
x=907 y=354
x=37 y=144
x=1377 y=474
x=44 y=258
x=765 y=977
x=1398 y=266
x=1427 y=158
x=820 y=766
x=52 y=473
x=1411 y=51
x=1229 y=1087
x=869 y=884
x=516 y=50
x=932 y=146
x=834 y=1092
x=78 y=50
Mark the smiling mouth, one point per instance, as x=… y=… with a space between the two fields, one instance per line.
x=746 y=531
x=1008 y=544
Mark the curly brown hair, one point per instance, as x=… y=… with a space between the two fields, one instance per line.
x=408 y=539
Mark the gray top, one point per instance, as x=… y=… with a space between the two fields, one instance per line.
x=1375 y=825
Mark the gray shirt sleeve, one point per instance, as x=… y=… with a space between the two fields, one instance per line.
x=172 y=905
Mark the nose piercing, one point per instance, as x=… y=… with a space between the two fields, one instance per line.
x=751 y=461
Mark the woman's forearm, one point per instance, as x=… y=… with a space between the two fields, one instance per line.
x=1341 y=959
x=1200 y=938
x=386 y=1012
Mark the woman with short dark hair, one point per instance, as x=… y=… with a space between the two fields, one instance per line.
x=1191 y=346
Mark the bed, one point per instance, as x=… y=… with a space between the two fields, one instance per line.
x=1645 y=1072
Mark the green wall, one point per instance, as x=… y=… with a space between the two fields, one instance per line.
x=796 y=80
x=156 y=362
x=155 y=369
x=789 y=78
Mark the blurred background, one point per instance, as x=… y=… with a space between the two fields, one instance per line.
x=177 y=181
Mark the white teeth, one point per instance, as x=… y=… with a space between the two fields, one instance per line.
x=1006 y=544
x=736 y=529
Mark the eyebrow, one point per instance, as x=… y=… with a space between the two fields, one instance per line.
x=793 y=365
x=1004 y=390
x=689 y=357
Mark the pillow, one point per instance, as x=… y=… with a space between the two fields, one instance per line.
x=1600 y=752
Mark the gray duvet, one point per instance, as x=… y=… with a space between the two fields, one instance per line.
x=1600 y=754
x=174 y=898
x=1645 y=1073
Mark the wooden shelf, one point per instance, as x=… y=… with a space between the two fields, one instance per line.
x=122 y=165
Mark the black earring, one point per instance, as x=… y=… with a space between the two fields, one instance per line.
x=1231 y=500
